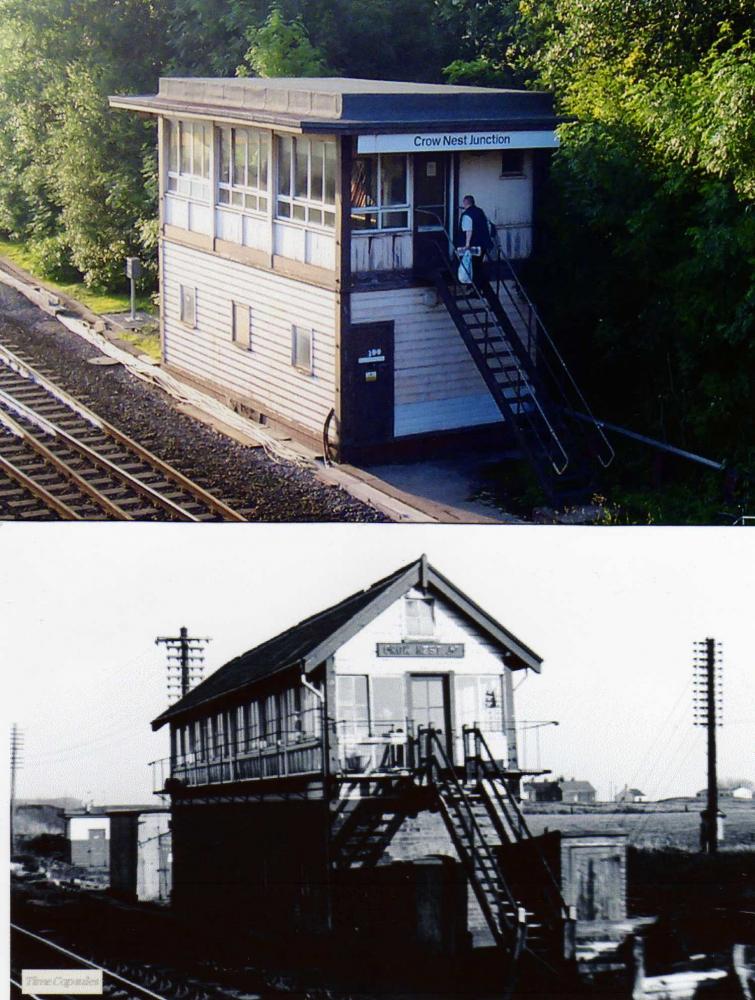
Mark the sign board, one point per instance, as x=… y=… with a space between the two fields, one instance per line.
x=431 y=142
x=454 y=650
x=133 y=267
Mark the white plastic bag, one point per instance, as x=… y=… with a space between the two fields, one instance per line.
x=465 y=268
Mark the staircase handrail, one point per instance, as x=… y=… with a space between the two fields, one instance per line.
x=543 y=335
x=501 y=783
x=524 y=376
x=438 y=758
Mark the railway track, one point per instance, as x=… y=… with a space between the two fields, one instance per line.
x=60 y=460
x=120 y=980
x=33 y=951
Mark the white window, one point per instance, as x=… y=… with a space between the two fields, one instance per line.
x=242 y=175
x=189 y=159
x=301 y=348
x=188 y=306
x=420 y=617
x=352 y=705
x=241 y=325
x=307 y=181
x=380 y=191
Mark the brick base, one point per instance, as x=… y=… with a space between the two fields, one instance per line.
x=425 y=834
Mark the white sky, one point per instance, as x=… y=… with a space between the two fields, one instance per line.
x=613 y=611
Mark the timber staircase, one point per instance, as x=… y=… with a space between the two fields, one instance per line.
x=528 y=380
x=527 y=917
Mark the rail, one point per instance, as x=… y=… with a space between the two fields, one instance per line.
x=469 y=840
x=487 y=769
x=159 y=498
x=141 y=991
x=519 y=375
x=294 y=748
x=561 y=380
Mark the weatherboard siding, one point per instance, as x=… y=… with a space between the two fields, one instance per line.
x=481 y=656
x=263 y=376
x=436 y=384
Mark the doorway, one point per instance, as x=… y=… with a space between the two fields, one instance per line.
x=432 y=176
x=429 y=704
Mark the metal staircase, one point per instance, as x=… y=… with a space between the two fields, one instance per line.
x=533 y=928
x=527 y=378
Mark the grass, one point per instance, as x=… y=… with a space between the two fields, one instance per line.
x=147 y=339
x=654 y=829
x=99 y=302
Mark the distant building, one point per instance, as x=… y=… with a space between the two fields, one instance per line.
x=541 y=791
x=88 y=834
x=34 y=819
x=630 y=795
x=742 y=792
x=140 y=853
x=576 y=791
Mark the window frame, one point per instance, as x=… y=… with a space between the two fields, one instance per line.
x=380 y=209
x=192 y=324
x=307 y=204
x=428 y=602
x=243 y=306
x=244 y=191
x=180 y=182
x=522 y=172
x=308 y=369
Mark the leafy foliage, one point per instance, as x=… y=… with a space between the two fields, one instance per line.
x=283 y=48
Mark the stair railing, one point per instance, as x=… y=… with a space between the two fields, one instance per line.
x=441 y=773
x=559 y=457
x=488 y=765
x=538 y=332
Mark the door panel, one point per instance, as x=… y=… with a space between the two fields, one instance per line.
x=431 y=183
x=367 y=401
x=429 y=703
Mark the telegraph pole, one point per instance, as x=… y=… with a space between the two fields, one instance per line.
x=16 y=750
x=709 y=713
x=185 y=666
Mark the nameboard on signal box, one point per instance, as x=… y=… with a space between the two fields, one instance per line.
x=421 y=649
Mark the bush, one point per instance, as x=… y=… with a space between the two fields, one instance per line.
x=51 y=258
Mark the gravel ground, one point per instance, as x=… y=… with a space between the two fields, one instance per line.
x=244 y=477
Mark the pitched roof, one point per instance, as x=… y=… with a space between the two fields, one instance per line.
x=576 y=786
x=309 y=643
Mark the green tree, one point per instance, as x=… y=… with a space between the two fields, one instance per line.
x=73 y=170
x=649 y=276
x=282 y=48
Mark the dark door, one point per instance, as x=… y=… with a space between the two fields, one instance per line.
x=429 y=704
x=431 y=216
x=367 y=398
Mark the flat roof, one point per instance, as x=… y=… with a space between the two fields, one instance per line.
x=342 y=104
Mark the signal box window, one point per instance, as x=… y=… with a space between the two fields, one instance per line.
x=420 y=617
x=189 y=159
x=512 y=163
x=307 y=181
x=301 y=349
x=188 y=306
x=242 y=177
x=352 y=705
x=241 y=325
x=380 y=192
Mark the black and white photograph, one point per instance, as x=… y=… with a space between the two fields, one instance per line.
x=340 y=761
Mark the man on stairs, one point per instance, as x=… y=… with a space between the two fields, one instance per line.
x=476 y=230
